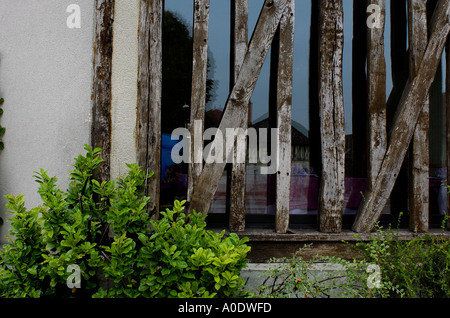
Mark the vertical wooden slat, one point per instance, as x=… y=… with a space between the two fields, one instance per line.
x=149 y=96
x=285 y=51
x=332 y=126
x=411 y=104
x=198 y=96
x=101 y=105
x=376 y=86
x=154 y=131
x=143 y=85
x=419 y=160
x=239 y=44
x=239 y=98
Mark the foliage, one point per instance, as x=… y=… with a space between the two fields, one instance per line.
x=105 y=229
x=179 y=259
x=390 y=267
x=21 y=258
x=420 y=267
x=323 y=277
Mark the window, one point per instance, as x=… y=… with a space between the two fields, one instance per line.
x=306 y=161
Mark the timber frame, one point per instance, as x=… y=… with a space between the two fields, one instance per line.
x=101 y=95
x=387 y=145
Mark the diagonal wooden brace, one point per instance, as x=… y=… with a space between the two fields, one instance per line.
x=239 y=98
x=405 y=121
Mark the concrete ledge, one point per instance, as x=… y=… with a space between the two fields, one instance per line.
x=255 y=273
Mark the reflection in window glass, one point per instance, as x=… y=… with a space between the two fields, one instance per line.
x=306 y=165
x=176 y=94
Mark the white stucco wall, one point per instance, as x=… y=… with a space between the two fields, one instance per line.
x=124 y=86
x=46 y=81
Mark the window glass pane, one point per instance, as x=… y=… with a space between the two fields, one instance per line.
x=306 y=165
x=176 y=94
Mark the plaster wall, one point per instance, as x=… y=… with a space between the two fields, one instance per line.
x=124 y=86
x=46 y=81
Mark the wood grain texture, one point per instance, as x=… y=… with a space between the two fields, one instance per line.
x=239 y=45
x=149 y=96
x=376 y=87
x=101 y=96
x=332 y=126
x=198 y=95
x=419 y=155
x=239 y=98
x=143 y=84
x=404 y=123
x=285 y=51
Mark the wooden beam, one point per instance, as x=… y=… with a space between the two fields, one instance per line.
x=101 y=96
x=239 y=45
x=376 y=86
x=149 y=96
x=143 y=83
x=285 y=52
x=239 y=98
x=419 y=159
x=404 y=123
x=332 y=126
x=198 y=95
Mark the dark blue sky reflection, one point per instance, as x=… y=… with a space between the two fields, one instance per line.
x=219 y=48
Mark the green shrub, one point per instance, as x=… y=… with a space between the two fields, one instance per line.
x=179 y=259
x=416 y=268
x=323 y=277
x=105 y=230
x=420 y=267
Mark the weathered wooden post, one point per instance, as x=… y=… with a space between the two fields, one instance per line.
x=239 y=45
x=331 y=107
x=149 y=96
x=419 y=156
x=101 y=95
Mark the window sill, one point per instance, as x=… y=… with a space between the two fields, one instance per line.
x=309 y=235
